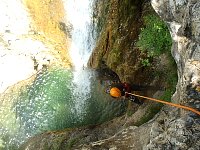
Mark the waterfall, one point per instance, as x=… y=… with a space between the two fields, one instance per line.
x=79 y=16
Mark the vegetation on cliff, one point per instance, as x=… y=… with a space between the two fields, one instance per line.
x=154 y=38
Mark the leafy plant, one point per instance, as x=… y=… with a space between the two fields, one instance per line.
x=154 y=37
x=146 y=62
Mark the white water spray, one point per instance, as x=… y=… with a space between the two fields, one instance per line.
x=79 y=16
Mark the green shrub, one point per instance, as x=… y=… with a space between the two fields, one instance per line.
x=154 y=37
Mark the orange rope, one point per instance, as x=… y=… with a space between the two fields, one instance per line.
x=168 y=103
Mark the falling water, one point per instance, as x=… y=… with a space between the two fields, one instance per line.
x=79 y=16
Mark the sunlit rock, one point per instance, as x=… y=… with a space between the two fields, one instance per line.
x=26 y=47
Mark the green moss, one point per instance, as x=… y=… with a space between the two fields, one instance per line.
x=171 y=78
x=170 y=89
x=145 y=62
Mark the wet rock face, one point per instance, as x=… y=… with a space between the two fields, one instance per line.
x=119 y=24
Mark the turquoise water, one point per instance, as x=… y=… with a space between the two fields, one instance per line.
x=52 y=102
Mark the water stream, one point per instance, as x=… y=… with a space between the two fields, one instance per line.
x=79 y=16
x=60 y=98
